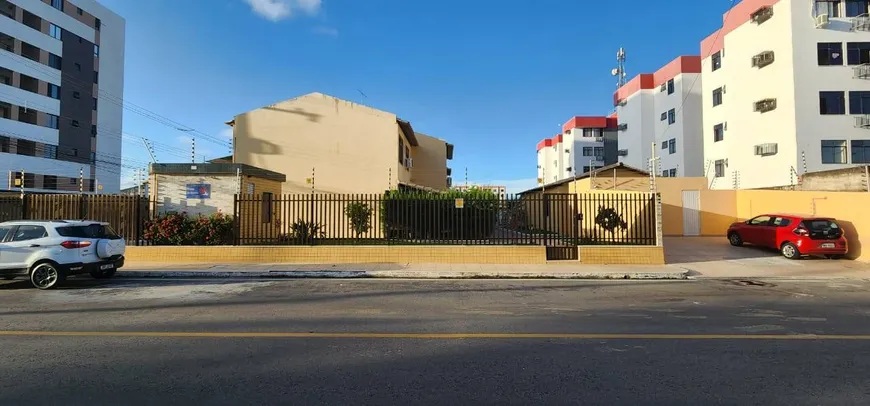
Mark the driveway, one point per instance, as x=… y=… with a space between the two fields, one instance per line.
x=715 y=257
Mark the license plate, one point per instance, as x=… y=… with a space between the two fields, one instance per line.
x=827 y=245
x=107 y=266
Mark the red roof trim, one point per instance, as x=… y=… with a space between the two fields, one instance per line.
x=674 y=68
x=740 y=14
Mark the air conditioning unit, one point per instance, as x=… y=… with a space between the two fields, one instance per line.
x=599 y=139
x=763 y=106
x=663 y=87
x=761 y=15
x=621 y=102
x=622 y=127
x=622 y=152
x=763 y=59
x=822 y=21
x=409 y=163
x=766 y=149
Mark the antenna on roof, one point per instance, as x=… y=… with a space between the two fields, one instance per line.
x=619 y=71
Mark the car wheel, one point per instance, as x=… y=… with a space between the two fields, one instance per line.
x=790 y=251
x=834 y=256
x=103 y=274
x=735 y=239
x=45 y=275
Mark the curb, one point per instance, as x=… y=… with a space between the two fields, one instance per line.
x=402 y=275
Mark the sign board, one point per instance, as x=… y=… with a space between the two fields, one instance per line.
x=198 y=191
x=460 y=203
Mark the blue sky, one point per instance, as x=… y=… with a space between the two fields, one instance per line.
x=492 y=77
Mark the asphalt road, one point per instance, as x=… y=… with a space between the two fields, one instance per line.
x=381 y=342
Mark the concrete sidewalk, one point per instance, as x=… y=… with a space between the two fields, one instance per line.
x=407 y=271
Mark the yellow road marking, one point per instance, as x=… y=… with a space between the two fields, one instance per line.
x=570 y=336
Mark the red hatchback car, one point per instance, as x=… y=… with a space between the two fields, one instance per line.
x=793 y=235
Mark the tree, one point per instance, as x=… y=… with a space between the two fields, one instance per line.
x=360 y=216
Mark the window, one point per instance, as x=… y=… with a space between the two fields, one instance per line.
x=664 y=145
x=672 y=173
x=719 y=168
x=54 y=31
x=31 y=20
x=599 y=152
x=79 y=11
x=25 y=233
x=96 y=77
x=94 y=158
x=93 y=130
x=96 y=50
x=855 y=8
x=665 y=173
x=49 y=151
x=858 y=53
x=53 y=91
x=672 y=116
x=77 y=95
x=717 y=61
x=859 y=102
x=401 y=151
x=829 y=7
x=73 y=181
x=97 y=24
x=78 y=67
x=55 y=61
x=4 y=144
x=74 y=123
x=95 y=103
x=781 y=222
x=717 y=97
x=830 y=53
x=26 y=147
x=671 y=86
x=718 y=132
x=672 y=146
x=587 y=151
x=664 y=116
x=52 y=121
x=590 y=132
x=861 y=151
x=49 y=182
x=832 y=102
x=833 y=151
x=760 y=221
x=58 y=4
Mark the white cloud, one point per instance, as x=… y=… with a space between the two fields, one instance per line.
x=277 y=10
x=323 y=30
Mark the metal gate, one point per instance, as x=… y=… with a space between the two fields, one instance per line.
x=560 y=220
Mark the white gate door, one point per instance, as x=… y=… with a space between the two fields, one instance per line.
x=691 y=212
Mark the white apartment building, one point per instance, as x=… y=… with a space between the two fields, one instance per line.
x=786 y=91
x=500 y=191
x=585 y=143
x=663 y=108
x=61 y=86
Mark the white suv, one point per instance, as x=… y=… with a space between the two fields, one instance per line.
x=49 y=251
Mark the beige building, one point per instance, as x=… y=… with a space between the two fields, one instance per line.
x=330 y=145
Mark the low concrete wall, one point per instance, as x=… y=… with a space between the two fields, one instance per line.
x=424 y=254
x=622 y=255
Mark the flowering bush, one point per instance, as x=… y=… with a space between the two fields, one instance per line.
x=181 y=229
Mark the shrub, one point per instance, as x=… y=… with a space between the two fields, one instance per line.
x=426 y=215
x=360 y=216
x=181 y=229
x=303 y=233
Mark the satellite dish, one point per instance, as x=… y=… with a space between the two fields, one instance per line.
x=615 y=72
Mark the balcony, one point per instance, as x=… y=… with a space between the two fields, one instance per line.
x=861 y=23
x=863 y=121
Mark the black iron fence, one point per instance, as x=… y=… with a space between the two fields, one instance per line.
x=611 y=218
x=126 y=214
x=553 y=220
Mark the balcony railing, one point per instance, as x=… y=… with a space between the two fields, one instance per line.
x=861 y=22
x=862 y=71
x=862 y=121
